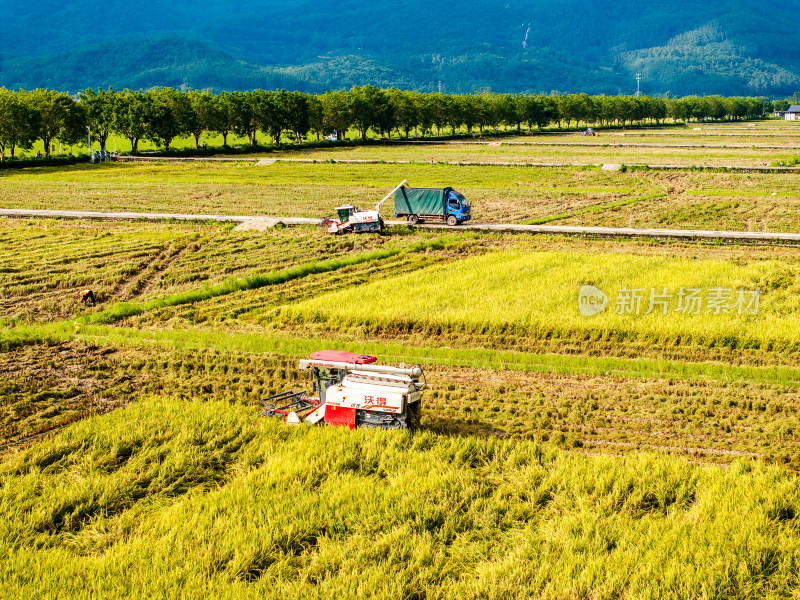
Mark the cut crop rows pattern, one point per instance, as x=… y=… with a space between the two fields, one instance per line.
x=47 y=262
x=45 y=387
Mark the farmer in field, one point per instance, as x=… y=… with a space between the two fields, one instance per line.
x=86 y=295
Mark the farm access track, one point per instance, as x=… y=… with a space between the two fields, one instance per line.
x=261 y=222
x=263 y=162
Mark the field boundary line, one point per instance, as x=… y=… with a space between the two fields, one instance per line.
x=597 y=145
x=628 y=232
x=105 y=333
x=595 y=208
x=684 y=234
x=457 y=163
x=471 y=357
x=138 y=216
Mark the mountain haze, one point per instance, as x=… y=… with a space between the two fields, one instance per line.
x=687 y=47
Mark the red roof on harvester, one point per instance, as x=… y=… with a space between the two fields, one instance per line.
x=342 y=356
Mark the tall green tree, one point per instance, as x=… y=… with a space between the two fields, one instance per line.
x=297 y=113
x=316 y=116
x=220 y=116
x=270 y=112
x=440 y=105
x=61 y=118
x=202 y=113
x=571 y=107
x=484 y=111
x=243 y=115
x=169 y=116
x=19 y=122
x=455 y=113
x=536 y=110
x=337 y=113
x=425 y=111
x=510 y=110
x=406 y=110
x=131 y=110
x=469 y=111
x=100 y=109
x=370 y=108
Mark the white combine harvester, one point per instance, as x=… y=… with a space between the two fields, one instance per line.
x=351 y=219
x=352 y=392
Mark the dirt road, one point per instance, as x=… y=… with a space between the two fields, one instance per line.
x=261 y=223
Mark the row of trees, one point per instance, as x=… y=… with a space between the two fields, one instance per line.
x=162 y=115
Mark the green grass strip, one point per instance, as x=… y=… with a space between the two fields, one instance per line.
x=597 y=208
x=25 y=335
x=478 y=358
x=121 y=310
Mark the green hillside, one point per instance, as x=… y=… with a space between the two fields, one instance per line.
x=682 y=48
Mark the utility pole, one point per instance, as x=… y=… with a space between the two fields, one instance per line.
x=89 y=139
x=638 y=79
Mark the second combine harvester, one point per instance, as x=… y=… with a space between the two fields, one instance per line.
x=415 y=204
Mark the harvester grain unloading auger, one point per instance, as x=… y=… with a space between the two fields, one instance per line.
x=352 y=392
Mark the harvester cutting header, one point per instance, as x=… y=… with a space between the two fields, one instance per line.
x=415 y=204
x=352 y=391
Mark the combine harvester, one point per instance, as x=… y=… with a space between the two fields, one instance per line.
x=352 y=392
x=354 y=220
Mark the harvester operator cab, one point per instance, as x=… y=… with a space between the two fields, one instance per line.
x=345 y=211
x=322 y=379
x=329 y=367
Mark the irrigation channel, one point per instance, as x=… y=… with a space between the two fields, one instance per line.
x=250 y=222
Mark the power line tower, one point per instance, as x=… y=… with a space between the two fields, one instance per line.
x=440 y=86
x=638 y=79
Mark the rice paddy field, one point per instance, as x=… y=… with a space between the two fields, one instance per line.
x=650 y=450
x=553 y=150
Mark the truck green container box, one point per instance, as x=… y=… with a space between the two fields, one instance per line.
x=420 y=201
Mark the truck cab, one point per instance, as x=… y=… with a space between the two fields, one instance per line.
x=457 y=206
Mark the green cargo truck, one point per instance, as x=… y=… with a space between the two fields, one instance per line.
x=431 y=204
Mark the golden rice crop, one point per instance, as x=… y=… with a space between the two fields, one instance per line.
x=538 y=292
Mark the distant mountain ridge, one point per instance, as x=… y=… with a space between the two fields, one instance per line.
x=691 y=47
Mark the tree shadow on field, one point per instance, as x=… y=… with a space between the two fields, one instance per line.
x=46 y=168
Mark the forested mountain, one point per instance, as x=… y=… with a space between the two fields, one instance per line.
x=687 y=47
